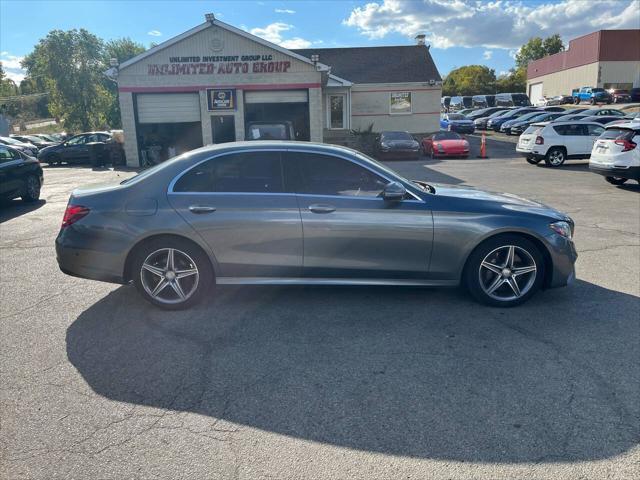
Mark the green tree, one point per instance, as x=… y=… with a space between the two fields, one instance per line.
x=537 y=48
x=469 y=80
x=7 y=86
x=122 y=49
x=70 y=64
x=514 y=81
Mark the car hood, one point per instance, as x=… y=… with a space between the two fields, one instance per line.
x=506 y=201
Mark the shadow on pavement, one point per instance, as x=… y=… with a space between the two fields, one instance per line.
x=403 y=371
x=14 y=208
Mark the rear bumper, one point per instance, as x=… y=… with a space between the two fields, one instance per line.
x=75 y=258
x=631 y=173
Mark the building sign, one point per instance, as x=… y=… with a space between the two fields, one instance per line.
x=400 y=102
x=221 y=99
x=219 y=65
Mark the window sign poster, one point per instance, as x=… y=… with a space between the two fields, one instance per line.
x=400 y=102
x=221 y=99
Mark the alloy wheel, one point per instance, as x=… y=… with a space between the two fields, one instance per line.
x=169 y=276
x=556 y=157
x=33 y=187
x=507 y=273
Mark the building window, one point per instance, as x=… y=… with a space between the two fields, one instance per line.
x=337 y=112
x=400 y=103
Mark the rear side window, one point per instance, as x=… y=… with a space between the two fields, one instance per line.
x=595 y=130
x=533 y=130
x=244 y=172
x=570 y=130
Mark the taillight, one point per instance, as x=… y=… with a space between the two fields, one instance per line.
x=72 y=214
x=627 y=145
x=539 y=140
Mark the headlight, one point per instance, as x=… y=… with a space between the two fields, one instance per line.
x=439 y=147
x=562 y=228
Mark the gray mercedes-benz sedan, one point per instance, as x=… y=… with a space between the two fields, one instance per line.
x=305 y=213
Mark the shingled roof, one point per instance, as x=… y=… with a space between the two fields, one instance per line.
x=409 y=63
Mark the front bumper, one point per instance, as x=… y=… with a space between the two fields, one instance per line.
x=462 y=128
x=398 y=154
x=630 y=173
x=563 y=259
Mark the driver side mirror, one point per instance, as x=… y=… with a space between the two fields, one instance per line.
x=394 y=192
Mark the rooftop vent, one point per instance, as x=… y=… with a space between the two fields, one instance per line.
x=209 y=17
x=420 y=39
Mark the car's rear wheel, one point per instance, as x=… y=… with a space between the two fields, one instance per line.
x=504 y=271
x=555 y=157
x=171 y=273
x=533 y=161
x=32 y=189
x=615 y=180
x=576 y=101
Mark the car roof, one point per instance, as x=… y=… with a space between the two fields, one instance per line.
x=633 y=124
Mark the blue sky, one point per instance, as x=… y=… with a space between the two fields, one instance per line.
x=460 y=32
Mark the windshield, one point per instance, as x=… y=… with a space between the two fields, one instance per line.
x=447 y=136
x=597 y=89
x=396 y=136
x=456 y=116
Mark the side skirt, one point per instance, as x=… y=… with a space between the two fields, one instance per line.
x=333 y=281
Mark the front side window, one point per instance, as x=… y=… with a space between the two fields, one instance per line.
x=7 y=155
x=79 y=140
x=400 y=102
x=328 y=175
x=243 y=172
x=337 y=111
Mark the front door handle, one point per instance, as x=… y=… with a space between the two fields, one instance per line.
x=201 y=209
x=318 y=208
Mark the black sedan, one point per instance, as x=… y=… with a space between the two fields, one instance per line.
x=520 y=126
x=397 y=145
x=601 y=119
x=34 y=140
x=20 y=175
x=74 y=150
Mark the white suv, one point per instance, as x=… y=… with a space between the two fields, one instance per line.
x=616 y=154
x=556 y=142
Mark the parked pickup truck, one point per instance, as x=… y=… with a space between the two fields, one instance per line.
x=591 y=95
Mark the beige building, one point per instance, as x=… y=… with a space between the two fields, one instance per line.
x=607 y=59
x=210 y=83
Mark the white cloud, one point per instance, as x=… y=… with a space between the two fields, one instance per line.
x=489 y=24
x=11 y=67
x=155 y=33
x=285 y=10
x=273 y=34
x=487 y=54
x=503 y=73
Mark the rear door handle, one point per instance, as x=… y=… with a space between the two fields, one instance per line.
x=201 y=209
x=318 y=208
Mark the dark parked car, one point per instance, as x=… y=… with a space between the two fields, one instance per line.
x=282 y=213
x=74 y=150
x=32 y=139
x=483 y=101
x=484 y=112
x=444 y=104
x=460 y=103
x=496 y=123
x=635 y=94
x=27 y=148
x=512 y=100
x=520 y=125
x=397 y=145
x=602 y=119
x=20 y=175
x=602 y=111
x=481 y=122
x=506 y=126
x=620 y=96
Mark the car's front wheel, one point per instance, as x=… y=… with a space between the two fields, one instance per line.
x=555 y=157
x=171 y=273
x=616 y=180
x=504 y=271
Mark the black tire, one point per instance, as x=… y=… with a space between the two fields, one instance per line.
x=616 y=180
x=593 y=101
x=188 y=256
x=555 y=157
x=31 y=189
x=533 y=161
x=576 y=101
x=474 y=275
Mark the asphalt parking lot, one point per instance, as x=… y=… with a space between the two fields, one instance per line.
x=362 y=382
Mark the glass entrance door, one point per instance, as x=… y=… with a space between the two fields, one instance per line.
x=223 y=128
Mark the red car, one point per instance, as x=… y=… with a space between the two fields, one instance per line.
x=445 y=144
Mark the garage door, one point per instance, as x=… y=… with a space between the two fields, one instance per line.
x=168 y=107
x=535 y=92
x=277 y=96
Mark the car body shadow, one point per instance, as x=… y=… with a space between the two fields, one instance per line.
x=10 y=209
x=402 y=371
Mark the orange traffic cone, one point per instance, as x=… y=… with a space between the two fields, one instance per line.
x=483 y=147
